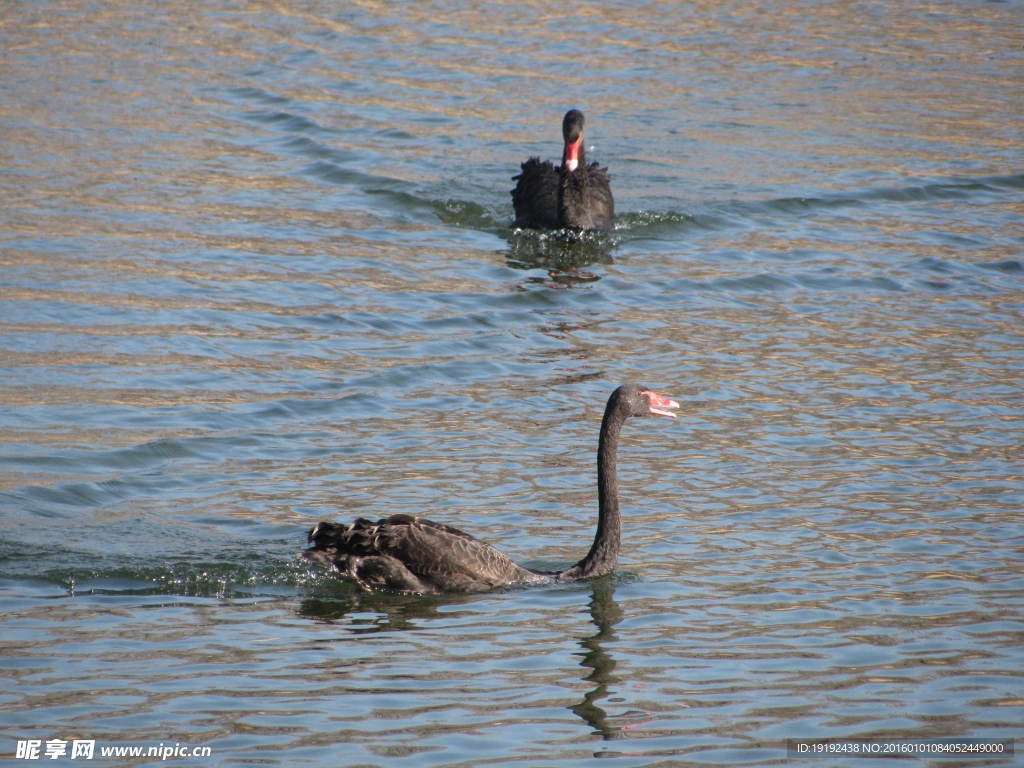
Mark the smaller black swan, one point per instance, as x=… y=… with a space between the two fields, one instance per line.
x=573 y=196
x=410 y=554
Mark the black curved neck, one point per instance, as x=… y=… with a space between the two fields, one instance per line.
x=604 y=552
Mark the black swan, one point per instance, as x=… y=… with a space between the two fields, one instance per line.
x=573 y=196
x=409 y=554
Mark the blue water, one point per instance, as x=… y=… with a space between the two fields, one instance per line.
x=258 y=271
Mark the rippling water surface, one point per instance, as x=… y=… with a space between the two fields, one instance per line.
x=258 y=271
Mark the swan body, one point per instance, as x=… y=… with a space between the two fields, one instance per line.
x=410 y=554
x=574 y=195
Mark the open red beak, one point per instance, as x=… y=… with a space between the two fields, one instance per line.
x=660 y=406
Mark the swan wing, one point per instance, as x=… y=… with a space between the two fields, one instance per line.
x=442 y=557
x=535 y=197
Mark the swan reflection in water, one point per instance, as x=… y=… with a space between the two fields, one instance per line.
x=565 y=256
x=375 y=613
x=605 y=613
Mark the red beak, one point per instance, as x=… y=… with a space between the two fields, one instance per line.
x=572 y=154
x=660 y=406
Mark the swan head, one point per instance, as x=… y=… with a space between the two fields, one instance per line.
x=572 y=132
x=642 y=401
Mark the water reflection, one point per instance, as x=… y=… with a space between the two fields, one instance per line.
x=375 y=612
x=605 y=613
x=565 y=256
x=370 y=612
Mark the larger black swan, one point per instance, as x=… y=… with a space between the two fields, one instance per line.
x=409 y=554
x=573 y=196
